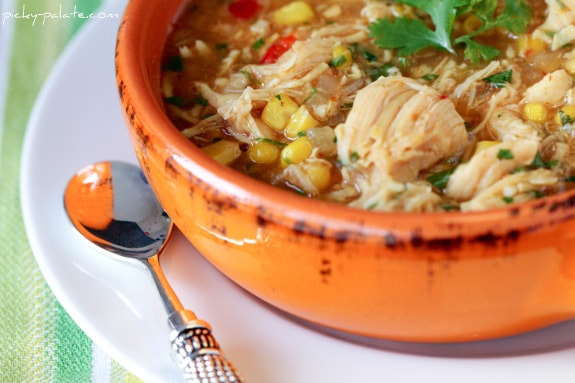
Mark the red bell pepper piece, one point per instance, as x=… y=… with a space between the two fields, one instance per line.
x=244 y=9
x=277 y=49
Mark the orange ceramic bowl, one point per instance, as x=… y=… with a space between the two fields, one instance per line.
x=444 y=277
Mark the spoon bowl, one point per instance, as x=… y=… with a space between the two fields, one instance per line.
x=111 y=204
x=119 y=214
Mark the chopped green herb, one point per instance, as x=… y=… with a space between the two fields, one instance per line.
x=258 y=44
x=279 y=97
x=508 y=200
x=429 y=77
x=273 y=142
x=537 y=193
x=376 y=72
x=373 y=206
x=409 y=35
x=354 y=156
x=221 y=46
x=358 y=49
x=337 y=61
x=312 y=93
x=539 y=163
x=440 y=179
x=200 y=100
x=303 y=133
x=504 y=154
x=177 y=101
x=347 y=105
x=550 y=164
x=250 y=77
x=570 y=179
x=174 y=64
x=501 y=79
x=565 y=118
x=449 y=207
x=519 y=170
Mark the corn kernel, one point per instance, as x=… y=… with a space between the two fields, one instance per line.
x=224 y=151
x=527 y=45
x=278 y=111
x=296 y=12
x=296 y=152
x=299 y=122
x=263 y=152
x=536 y=112
x=319 y=175
x=341 y=57
x=565 y=115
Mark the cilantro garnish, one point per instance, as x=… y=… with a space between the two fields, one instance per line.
x=440 y=179
x=504 y=154
x=375 y=72
x=250 y=77
x=501 y=79
x=355 y=48
x=408 y=36
x=312 y=93
x=174 y=64
x=221 y=46
x=508 y=200
x=337 y=61
x=565 y=118
x=429 y=77
x=270 y=141
x=176 y=100
x=201 y=100
x=539 y=163
x=258 y=44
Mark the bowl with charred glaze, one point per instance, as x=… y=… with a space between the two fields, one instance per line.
x=441 y=277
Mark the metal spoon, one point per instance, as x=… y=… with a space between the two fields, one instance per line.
x=112 y=205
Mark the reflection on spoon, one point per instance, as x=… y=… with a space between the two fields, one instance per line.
x=112 y=205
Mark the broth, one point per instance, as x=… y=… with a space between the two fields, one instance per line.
x=300 y=95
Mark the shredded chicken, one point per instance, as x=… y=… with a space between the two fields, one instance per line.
x=489 y=166
x=558 y=29
x=398 y=126
x=505 y=124
x=518 y=187
x=550 y=90
x=302 y=58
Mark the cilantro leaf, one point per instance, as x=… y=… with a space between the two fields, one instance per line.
x=408 y=36
x=476 y=52
x=440 y=179
x=504 y=154
x=514 y=18
x=405 y=35
x=501 y=79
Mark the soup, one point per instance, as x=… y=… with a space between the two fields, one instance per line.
x=382 y=105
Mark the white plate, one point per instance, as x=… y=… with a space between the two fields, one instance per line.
x=76 y=121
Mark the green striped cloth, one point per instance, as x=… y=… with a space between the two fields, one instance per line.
x=39 y=342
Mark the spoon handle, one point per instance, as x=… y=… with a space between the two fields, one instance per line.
x=200 y=357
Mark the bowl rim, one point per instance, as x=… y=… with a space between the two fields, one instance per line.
x=139 y=77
